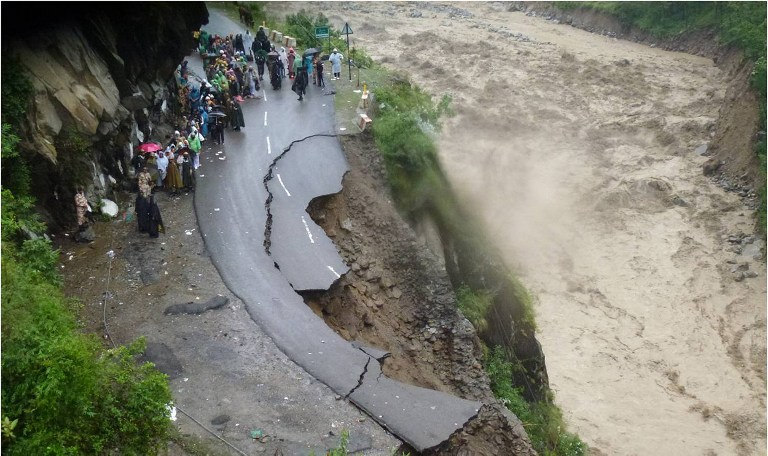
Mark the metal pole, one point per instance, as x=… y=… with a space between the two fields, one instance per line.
x=349 y=59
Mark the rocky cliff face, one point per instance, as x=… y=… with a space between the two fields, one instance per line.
x=100 y=75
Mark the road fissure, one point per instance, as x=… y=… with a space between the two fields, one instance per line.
x=268 y=177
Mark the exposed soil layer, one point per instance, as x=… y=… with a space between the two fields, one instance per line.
x=398 y=298
x=583 y=155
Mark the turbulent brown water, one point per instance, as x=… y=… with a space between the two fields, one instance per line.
x=577 y=150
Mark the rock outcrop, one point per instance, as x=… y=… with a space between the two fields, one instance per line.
x=100 y=76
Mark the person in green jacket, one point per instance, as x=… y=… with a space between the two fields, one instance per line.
x=194 y=147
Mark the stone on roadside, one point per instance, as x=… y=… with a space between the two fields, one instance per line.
x=221 y=419
x=197 y=308
x=86 y=235
x=109 y=207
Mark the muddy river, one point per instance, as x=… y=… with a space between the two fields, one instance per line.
x=578 y=152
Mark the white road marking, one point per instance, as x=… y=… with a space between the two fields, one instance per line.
x=334 y=272
x=269 y=146
x=306 y=227
x=265 y=94
x=287 y=192
x=265 y=118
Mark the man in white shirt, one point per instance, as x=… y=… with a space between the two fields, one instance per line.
x=336 y=58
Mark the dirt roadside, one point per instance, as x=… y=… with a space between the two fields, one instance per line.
x=224 y=371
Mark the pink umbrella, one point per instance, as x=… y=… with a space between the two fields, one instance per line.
x=150 y=147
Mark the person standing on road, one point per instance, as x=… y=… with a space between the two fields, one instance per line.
x=162 y=168
x=145 y=183
x=250 y=82
x=81 y=205
x=248 y=44
x=336 y=58
x=291 y=57
x=173 y=180
x=319 y=73
x=194 y=147
x=301 y=82
x=155 y=219
x=142 y=200
x=261 y=35
x=283 y=62
x=218 y=130
x=238 y=121
x=307 y=65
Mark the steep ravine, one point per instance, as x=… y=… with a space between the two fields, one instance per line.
x=397 y=297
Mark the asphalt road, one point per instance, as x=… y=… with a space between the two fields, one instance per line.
x=230 y=204
x=307 y=257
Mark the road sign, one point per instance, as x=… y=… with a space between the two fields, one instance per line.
x=322 y=32
x=347 y=30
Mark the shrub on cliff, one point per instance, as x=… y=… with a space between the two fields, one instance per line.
x=62 y=393
x=542 y=420
x=68 y=395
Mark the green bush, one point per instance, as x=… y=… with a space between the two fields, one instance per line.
x=542 y=420
x=16 y=91
x=18 y=215
x=61 y=393
x=474 y=305
x=404 y=124
x=360 y=58
x=69 y=395
x=40 y=258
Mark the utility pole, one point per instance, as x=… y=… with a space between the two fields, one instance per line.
x=347 y=31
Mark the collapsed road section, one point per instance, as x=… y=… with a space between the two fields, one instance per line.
x=228 y=219
x=307 y=258
x=229 y=203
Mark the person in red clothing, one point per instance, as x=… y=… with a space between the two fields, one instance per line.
x=291 y=58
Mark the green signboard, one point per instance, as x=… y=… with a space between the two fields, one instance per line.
x=322 y=32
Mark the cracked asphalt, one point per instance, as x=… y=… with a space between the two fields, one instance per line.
x=232 y=215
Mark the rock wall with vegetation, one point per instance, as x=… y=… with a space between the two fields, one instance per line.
x=93 y=83
x=80 y=84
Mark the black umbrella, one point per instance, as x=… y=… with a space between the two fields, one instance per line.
x=311 y=51
x=216 y=114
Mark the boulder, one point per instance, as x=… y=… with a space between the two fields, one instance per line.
x=86 y=235
x=136 y=101
x=711 y=166
x=109 y=207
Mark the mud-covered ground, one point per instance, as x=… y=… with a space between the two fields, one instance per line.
x=581 y=154
x=224 y=371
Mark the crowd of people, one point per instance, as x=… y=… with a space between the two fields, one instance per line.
x=211 y=103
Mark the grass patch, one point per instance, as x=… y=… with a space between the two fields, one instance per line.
x=474 y=305
x=542 y=420
x=68 y=394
